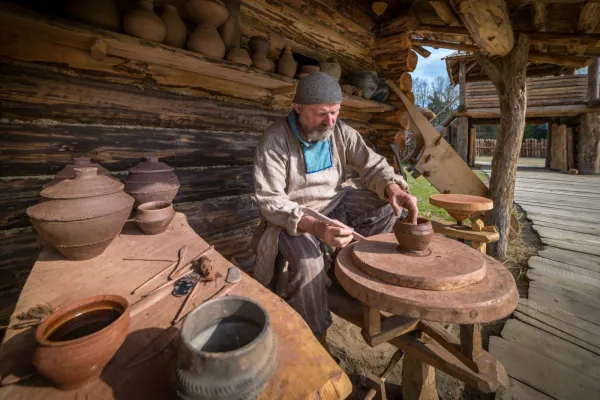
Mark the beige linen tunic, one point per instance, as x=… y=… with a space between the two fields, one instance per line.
x=282 y=186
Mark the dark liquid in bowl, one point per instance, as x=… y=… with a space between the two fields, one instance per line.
x=84 y=324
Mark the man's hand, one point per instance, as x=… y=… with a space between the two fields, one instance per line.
x=399 y=199
x=332 y=235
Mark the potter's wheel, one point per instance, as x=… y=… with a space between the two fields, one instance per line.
x=492 y=297
x=448 y=265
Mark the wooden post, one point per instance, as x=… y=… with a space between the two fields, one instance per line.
x=558 y=160
x=570 y=152
x=589 y=137
x=462 y=132
x=549 y=144
x=508 y=74
x=418 y=378
x=472 y=145
x=471 y=343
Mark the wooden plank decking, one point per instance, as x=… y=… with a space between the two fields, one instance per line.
x=551 y=349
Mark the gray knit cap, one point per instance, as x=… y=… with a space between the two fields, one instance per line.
x=318 y=88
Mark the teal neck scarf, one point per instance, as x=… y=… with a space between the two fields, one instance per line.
x=317 y=155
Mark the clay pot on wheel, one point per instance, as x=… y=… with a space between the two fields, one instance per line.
x=81 y=216
x=259 y=46
x=151 y=180
x=154 y=217
x=413 y=238
x=365 y=80
x=209 y=15
x=100 y=13
x=227 y=350
x=176 y=29
x=286 y=65
x=141 y=22
x=68 y=172
x=77 y=341
x=332 y=68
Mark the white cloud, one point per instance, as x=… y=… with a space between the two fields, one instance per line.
x=431 y=67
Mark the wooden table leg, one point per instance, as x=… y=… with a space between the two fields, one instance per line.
x=470 y=341
x=418 y=379
x=371 y=320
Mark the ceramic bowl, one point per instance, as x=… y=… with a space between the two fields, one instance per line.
x=154 y=217
x=413 y=237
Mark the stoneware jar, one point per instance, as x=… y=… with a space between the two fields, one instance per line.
x=154 y=217
x=286 y=65
x=100 y=13
x=79 y=339
x=81 y=216
x=209 y=15
x=239 y=56
x=332 y=68
x=413 y=238
x=259 y=46
x=141 y=22
x=68 y=172
x=227 y=350
x=151 y=180
x=365 y=80
x=176 y=29
x=231 y=30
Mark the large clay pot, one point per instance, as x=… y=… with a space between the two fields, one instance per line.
x=176 y=29
x=259 y=46
x=332 y=68
x=209 y=15
x=100 y=13
x=382 y=92
x=413 y=238
x=141 y=22
x=231 y=30
x=286 y=65
x=81 y=216
x=154 y=217
x=77 y=341
x=68 y=172
x=227 y=350
x=365 y=80
x=151 y=180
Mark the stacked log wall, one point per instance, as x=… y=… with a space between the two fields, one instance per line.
x=57 y=102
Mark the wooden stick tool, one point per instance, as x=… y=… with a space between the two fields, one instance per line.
x=329 y=221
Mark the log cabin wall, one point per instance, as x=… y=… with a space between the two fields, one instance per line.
x=57 y=102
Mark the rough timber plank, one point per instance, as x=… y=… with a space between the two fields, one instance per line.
x=537 y=262
x=557 y=332
x=587 y=261
x=582 y=330
x=558 y=288
x=593 y=249
x=558 y=212
x=564 y=224
x=564 y=282
x=565 y=304
x=520 y=391
x=556 y=202
x=529 y=189
x=562 y=274
x=542 y=373
x=550 y=346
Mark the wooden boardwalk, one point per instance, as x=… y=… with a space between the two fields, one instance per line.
x=551 y=348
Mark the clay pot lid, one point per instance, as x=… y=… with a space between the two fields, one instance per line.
x=463 y=202
x=150 y=165
x=86 y=183
x=79 y=162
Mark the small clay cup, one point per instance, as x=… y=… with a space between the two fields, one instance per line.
x=77 y=341
x=413 y=238
x=154 y=217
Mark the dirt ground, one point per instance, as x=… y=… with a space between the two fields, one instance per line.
x=356 y=357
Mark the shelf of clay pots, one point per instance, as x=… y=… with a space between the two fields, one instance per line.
x=101 y=43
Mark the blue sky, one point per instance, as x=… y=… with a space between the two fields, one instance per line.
x=433 y=65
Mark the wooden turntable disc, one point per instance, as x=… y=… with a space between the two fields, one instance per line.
x=450 y=264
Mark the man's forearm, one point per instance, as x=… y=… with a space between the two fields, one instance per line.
x=308 y=224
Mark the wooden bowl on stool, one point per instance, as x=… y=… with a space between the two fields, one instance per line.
x=461 y=206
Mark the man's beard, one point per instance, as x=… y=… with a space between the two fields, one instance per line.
x=317 y=135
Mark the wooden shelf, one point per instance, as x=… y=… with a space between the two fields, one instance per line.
x=26 y=22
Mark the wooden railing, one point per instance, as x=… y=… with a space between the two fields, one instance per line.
x=529 y=148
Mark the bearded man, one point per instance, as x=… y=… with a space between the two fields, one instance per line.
x=304 y=160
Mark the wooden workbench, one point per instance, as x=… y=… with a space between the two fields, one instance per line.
x=304 y=370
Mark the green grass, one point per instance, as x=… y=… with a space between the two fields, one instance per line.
x=422 y=189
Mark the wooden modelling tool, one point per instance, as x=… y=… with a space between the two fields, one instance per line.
x=329 y=221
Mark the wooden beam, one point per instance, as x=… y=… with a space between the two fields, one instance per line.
x=443 y=10
x=571 y=110
x=558 y=59
x=540 y=23
x=422 y=51
x=489 y=24
x=593 y=80
x=589 y=137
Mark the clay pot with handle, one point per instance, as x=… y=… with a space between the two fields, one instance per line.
x=75 y=343
x=100 y=13
x=141 y=22
x=209 y=15
x=80 y=217
x=176 y=29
